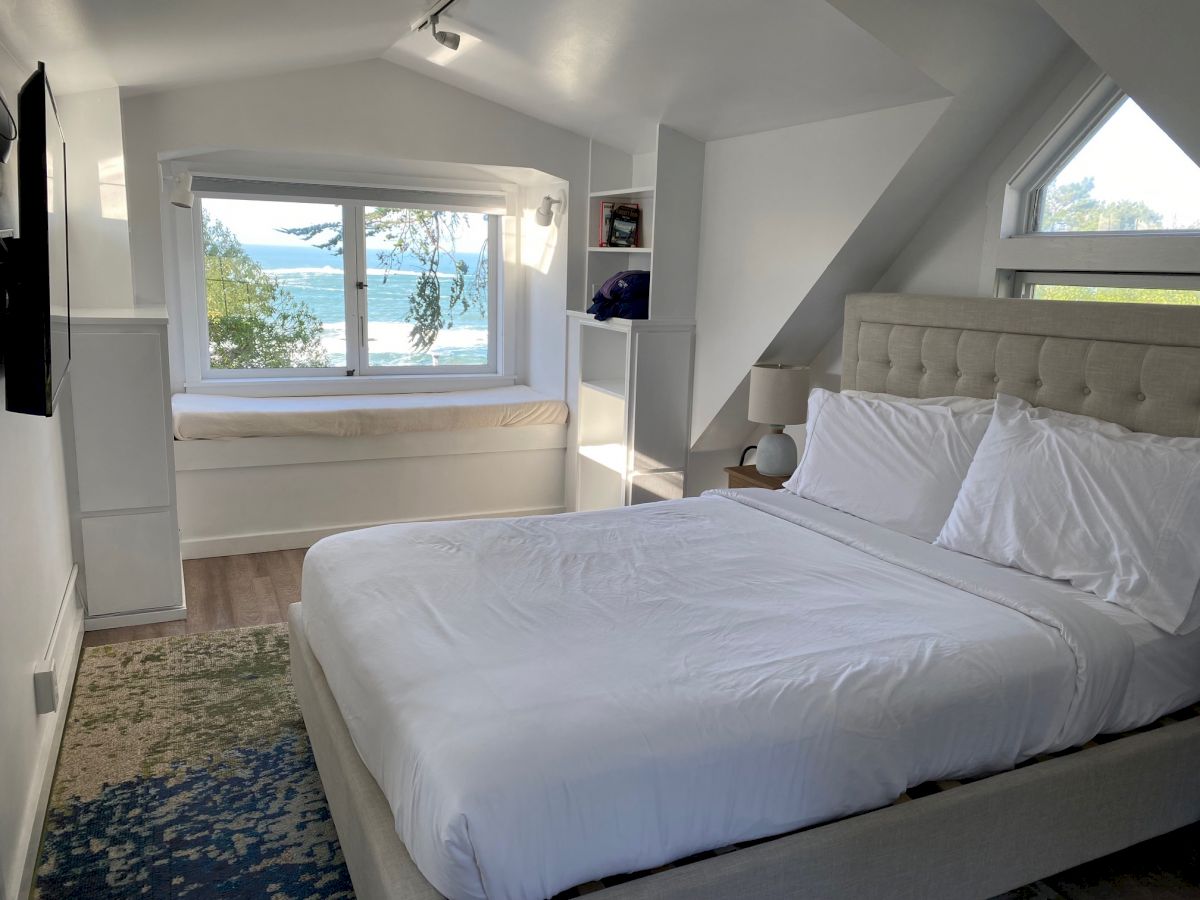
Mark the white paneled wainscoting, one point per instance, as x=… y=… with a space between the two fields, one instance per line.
x=250 y=495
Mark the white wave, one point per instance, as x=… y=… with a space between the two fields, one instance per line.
x=394 y=337
x=330 y=270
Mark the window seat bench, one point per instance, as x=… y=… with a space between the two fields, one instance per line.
x=212 y=416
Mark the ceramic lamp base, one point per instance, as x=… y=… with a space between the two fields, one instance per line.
x=776 y=454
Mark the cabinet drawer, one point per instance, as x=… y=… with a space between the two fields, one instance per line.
x=119 y=402
x=131 y=563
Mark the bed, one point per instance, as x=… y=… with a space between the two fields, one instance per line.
x=477 y=736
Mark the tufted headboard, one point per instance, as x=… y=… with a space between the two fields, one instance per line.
x=1134 y=364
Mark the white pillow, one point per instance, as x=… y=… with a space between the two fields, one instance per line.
x=893 y=463
x=954 y=404
x=1114 y=512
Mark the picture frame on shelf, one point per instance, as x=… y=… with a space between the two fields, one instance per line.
x=624 y=225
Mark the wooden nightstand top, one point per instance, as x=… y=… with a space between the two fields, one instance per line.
x=749 y=477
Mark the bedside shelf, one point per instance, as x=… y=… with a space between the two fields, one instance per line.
x=614 y=387
x=642 y=193
x=620 y=250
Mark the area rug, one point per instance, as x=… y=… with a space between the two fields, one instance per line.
x=185 y=771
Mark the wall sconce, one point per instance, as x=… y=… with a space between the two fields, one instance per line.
x=545 y=213
x=181 y=191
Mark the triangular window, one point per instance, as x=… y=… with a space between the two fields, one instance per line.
x=1126 y=175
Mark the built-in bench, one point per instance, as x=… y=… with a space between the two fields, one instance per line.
x=270 y=473
x=212 y=416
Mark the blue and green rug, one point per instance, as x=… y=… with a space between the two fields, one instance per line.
x=185 y=771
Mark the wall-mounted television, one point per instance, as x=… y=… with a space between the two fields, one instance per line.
x=37 y=314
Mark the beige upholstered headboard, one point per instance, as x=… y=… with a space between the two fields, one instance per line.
x=1133 y=364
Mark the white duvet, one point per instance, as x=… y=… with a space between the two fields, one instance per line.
x=546 y=701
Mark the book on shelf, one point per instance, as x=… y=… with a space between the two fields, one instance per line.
x=606 y=208
x=624 y=225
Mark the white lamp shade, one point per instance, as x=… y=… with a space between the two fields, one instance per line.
x=778 y=394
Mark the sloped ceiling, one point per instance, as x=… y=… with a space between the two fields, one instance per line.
x=141 y=45
x=708 y=68
x=989 y=55
x=1150 y=51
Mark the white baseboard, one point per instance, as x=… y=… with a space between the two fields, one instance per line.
x=64 y=647
x=149 y=617
x=265 y=542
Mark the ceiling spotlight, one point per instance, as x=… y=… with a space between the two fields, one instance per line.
x=448 y=39
x=544 y=214
x=181 y=191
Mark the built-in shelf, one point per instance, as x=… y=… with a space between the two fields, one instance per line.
x=611 y=456
x=640 y=193
x=614 y=387
x=620 y=250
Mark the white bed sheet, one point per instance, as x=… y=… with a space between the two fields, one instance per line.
x=549 y=700
x=1165 y=675
x=1165 y=671
x=211 y=416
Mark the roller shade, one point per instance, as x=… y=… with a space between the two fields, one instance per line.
x=475 y=201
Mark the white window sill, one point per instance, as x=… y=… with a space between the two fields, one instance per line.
x=325 y=385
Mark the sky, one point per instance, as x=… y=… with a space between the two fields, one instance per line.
x=258 y=221
x=1132 y=159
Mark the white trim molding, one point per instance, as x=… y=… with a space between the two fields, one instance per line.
x=184 y=281
x=63 y=652
x=1009 y=244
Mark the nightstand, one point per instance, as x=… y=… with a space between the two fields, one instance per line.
x=749 y=477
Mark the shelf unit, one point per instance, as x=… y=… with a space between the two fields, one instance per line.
x=629 y=384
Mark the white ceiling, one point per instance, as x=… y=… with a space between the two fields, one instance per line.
x=710 y=68
x=148 y=44
x=613 y=69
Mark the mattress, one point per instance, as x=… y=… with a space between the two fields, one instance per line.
x=551 y=700
x=209 y=416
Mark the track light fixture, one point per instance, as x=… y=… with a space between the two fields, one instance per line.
x=448 y=39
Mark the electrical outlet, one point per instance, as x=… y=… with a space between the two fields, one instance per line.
x=45 y=688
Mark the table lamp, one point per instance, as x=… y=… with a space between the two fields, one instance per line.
x=778 y=397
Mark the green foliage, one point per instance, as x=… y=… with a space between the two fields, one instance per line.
x=1071 y=207
x=253 y=322
x=428 y=238
x=1117 y=294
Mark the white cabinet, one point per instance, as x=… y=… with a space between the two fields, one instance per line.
x=630 y=381
x=124 y=459
x=630 y=400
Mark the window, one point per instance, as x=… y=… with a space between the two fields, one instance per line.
x=345 y=281
x=1104 y=207
x=1126 y=175
x=1109 y=289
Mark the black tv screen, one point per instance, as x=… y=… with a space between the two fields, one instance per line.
x=37 y=332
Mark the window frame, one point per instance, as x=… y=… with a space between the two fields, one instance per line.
x=207 y=372
x=1024 y=281
x=184 y=270
x=1013 y=251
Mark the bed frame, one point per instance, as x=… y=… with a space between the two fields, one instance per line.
x=1135 y=365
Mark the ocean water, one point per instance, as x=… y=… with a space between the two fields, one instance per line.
x=315 y=277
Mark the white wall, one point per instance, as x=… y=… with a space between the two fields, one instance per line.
x=1149 y=49
x=96 y=208
x=778 y=206
x=373 y=110
x=35 y=565
x=945 y=255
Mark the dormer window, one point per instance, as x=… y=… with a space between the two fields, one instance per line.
x=1101 y=206
x=1125 y=174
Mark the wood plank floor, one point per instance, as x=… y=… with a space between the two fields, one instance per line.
x=257 y=588
x=224 y=592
